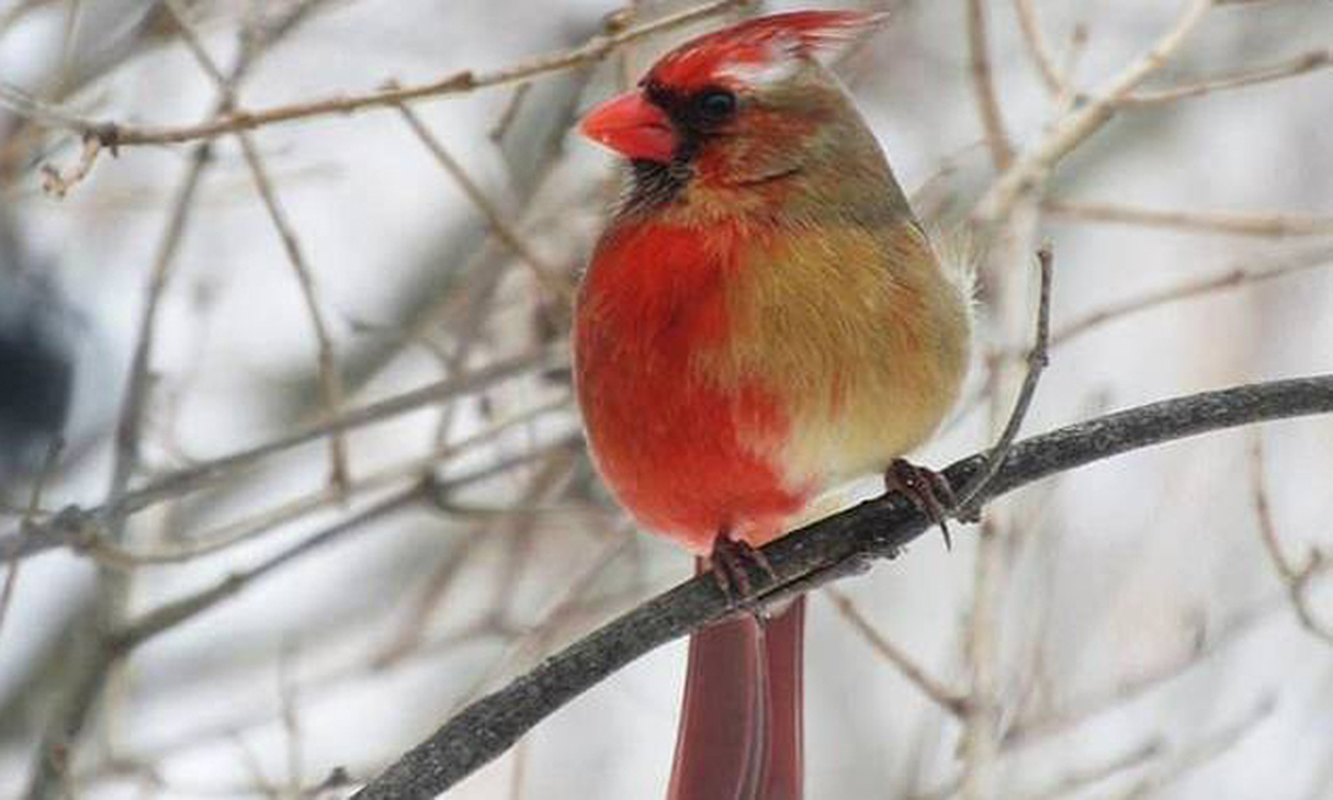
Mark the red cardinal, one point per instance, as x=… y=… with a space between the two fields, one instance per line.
x=762 y=320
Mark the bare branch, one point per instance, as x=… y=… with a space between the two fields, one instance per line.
x=330 y=382
x=838 y=545
x=251 y=526
x=545 y=274
x=1300 y=65
x=1199 y=753
x=1036 y=361
x=983 y=85
x=1274 y=225
x=951 y=701
x=34 y=503
x=1083 y=121
x=74 y=526
x=1057 y=83
x=1296 y=579
x=1229 y=279
x=114 y=135
x=161 y=619
x=326 y=362
x=1029 y=730
x=1079 y=779
x=95 y=656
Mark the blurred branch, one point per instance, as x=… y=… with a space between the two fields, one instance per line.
x=161 y=619
x=1195 y=755
x=73 y=526
x=326 y=362
x=544 y=273
x=1057 y=83
x=983 y=84
x=980 y=744
x=247 y=528
x=1229 y=279
x=113 y=135
x=95 y=656
x=327 y=367
x=1275 y=225
x=1300 y=65
x=1083 y=121
x=34 y=503
x=1296 y=578
x=837 y=546
x=1032 y=728
x=1079 y=779
x=951 y=701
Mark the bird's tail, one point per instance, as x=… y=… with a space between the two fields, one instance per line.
x=741 y=727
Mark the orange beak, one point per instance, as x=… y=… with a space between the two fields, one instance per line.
x=633 y=127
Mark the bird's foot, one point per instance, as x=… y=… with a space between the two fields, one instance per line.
x=927 y=489
x=733 y=561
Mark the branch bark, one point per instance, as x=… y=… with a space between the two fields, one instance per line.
x=837 y=546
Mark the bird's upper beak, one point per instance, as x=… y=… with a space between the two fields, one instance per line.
x=633 y=127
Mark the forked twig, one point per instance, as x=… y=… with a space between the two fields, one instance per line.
x=967 y=506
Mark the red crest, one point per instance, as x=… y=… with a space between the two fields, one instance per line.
x=758 y=42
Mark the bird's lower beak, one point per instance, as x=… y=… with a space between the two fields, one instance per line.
x=633 y=127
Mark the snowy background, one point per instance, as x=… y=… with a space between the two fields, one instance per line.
x=1136 y=600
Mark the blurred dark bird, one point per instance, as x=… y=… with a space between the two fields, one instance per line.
x=37 y=328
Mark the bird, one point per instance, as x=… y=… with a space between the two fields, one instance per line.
x=762 y=320
x=40 y=336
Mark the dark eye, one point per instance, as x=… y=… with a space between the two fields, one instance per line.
x=715 y=105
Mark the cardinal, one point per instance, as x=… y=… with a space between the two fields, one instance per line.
x=762 y=320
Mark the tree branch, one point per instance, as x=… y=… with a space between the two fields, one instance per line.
x=842 y=544
x=113 y=135
x=1083 y=121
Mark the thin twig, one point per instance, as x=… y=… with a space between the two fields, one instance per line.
x=1079 y=779
x=1295 y=578
x=544 y=273
x=1228 y=279
x=170 y=614
x=510 y=113
x=1300 y=65
x=326 y=361
x=114 y=135
x=247 y=528
x=1270 y=225
x=951 y=701
x=330 y=380
x=1083 y=121
x=34 y=503
x=74 y=526
x=1199 y=753
x=57 y=183
x=1057 y=83
x=983 y=85
x=1029 y=730
x=1036 y=364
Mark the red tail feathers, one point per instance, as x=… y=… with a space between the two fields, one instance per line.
x=741 y=727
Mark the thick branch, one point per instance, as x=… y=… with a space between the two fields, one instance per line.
x=835 y=546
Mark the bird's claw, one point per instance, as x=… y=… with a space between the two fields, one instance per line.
x=732 y=561
x=928 y=490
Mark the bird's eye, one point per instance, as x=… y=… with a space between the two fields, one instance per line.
x=715 y=105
